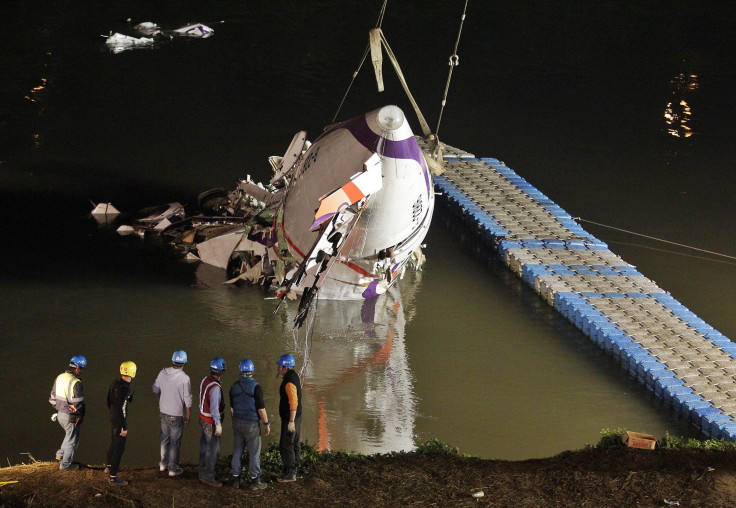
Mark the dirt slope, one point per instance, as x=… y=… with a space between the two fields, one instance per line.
x=594 y=478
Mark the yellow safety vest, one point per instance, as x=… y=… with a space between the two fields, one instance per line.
x=65 y=386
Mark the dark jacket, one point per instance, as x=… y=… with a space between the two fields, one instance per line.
x=118 y=397
x=286 y=393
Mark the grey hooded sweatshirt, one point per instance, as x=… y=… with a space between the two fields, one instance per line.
x=176 y=391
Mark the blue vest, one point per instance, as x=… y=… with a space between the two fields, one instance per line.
x=243 y=400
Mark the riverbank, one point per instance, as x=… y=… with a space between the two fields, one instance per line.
x=434 y=475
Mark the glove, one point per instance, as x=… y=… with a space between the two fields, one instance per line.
x=218 y=429
x=291 y=427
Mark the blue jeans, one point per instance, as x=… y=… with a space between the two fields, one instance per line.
x=247 y=434
x=209 y=450
x=172 y=428
x=71 y=439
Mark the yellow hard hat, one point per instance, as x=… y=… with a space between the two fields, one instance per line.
x=128 y=369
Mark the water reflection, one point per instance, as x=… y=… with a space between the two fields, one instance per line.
x=243 y=311
x=357 y=385
x=33 y=94
x=34 y=81
x=678 y=113
x=358 y=376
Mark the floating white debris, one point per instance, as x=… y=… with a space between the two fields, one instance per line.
x=103 y=210
x=148 y=28
x=195 y=30
x=126 y=230
x=118 y=42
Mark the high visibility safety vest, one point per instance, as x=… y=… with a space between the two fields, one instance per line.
x=205 y=412
x=64 y=388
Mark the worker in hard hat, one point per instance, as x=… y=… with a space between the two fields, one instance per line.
x=118 y=397
x=67 y=397
x=173 y=390
x=211 y=412
x=247 y=409
x=290 y=411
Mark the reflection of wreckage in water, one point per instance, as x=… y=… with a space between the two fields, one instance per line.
x=342 y=216
x=355 y=366
x=358 y=375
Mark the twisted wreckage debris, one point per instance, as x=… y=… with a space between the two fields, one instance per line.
x=343 y=216
x=151 y=34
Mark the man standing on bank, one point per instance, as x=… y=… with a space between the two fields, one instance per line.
x=211 y=411
x=68 y=399
x=290 y=411
x=247 y=408
x=173 y=390
x=118 y=398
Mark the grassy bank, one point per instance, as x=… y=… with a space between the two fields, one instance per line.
x=688 y=472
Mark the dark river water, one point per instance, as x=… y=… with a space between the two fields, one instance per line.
x=622 y=112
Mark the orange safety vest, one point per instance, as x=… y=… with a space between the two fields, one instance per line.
x=205 y=387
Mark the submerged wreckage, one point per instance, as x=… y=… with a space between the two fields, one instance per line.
x=341 y=217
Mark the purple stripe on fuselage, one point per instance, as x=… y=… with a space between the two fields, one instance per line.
x=268 y=239
x=405 y=149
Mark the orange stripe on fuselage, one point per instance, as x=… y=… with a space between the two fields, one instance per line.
x=352 y=191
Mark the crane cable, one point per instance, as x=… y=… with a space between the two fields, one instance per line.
x=454 y=62
x=379 y=22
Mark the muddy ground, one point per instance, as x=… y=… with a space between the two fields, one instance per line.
x=589 y=478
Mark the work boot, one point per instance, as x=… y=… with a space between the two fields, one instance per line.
x=236 y=482
x=289 y=476
x=257 y=484
x=211 y=483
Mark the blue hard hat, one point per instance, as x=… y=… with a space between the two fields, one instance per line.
x=246 y=366
x=217 y=364
x=179 y=357
x=78 y=361
x=286 y=361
